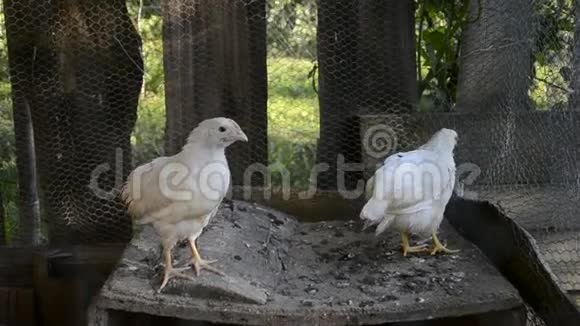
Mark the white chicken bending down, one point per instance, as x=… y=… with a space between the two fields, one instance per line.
x=410 y=191
x=179 y=194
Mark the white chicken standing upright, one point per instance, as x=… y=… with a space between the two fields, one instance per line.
x=179 y=194
x=410 y=191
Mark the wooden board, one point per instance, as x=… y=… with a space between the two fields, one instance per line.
x=17 y=306
x=55 y=284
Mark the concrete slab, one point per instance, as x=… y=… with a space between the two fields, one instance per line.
x=280 y=271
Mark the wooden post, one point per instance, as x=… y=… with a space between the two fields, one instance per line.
x=366 y=53
x=215 y=65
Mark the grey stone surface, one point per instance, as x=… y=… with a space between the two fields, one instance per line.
x=280 y=271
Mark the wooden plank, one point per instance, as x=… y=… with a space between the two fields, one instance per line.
x=72 y=276
x=16 y=267
x=214 y=56
x=17 y=306
x=17 y=264
x=323 y=205
x=63 y=280
x=16 y=286
x=80 y=260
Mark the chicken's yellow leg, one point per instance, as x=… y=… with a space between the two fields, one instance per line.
x=169 y=271
x=198 y=263
x=407 y=248
x=438 y=247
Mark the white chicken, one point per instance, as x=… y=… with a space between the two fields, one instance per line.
x=410 y=191
x=179 y=194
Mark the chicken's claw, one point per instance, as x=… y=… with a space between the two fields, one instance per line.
x=173 y=272
x=407 y=248
x=438 y=247
x=200 y=264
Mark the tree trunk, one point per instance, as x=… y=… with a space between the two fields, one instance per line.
x=366 y=54
x=496 y=57
x=495 y=74
x=77 y=65
x=574 y=99
x=28 y=204
x=2 y=221
x=215 y=65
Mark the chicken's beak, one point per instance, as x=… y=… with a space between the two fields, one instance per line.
x=240 y=135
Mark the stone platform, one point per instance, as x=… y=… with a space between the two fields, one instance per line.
x=283 y=272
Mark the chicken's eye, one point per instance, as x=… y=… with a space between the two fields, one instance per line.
x=222 y=129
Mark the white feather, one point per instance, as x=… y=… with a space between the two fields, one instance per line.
x=410 y=191
x=179 y=194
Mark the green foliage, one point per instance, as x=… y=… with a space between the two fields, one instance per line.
x=440 y=24
x=292 y=102
x=148 y=134
x=554 y=30
x=554 y=27
x=439 y=27
x=9 y=191
x=8 y=187
x=291 y=28
x=296 y=157
x=293 y=119
x=3 y=56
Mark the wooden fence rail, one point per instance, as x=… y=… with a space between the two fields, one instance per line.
x=53 y=286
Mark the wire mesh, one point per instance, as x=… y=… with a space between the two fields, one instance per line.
x=306 y=80
x=75 y=66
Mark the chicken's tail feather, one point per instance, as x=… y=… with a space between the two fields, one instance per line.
x=126 y=195
x=373 y=211
x=384 y=224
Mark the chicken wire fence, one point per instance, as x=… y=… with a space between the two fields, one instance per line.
x=320 y=88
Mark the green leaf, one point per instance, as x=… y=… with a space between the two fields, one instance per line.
x=433 y=62
x=437 y=39
x=541 y=58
